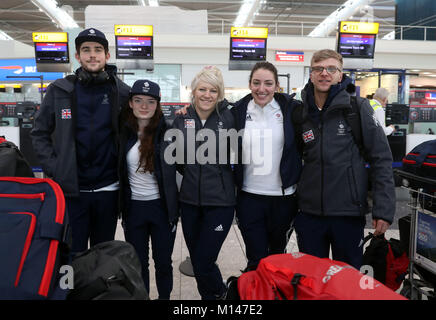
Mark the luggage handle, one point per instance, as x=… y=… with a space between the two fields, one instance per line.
x=370 y=236
x=100 y=285
x=295 y=281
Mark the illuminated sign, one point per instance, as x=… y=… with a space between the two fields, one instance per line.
x=134 y=41
x=358 y=27
x=239 y=32
x=357 y=39
x=248 y=44
x=133 y=30
x=430 y=95
x=51 y=47
x=290 y=56
x=247 y=49
x=50 y=37
x=356 y=45
x=23 y=67
x=51 y=52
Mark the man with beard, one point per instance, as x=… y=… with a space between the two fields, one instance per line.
x=75 y=137
x=332 y=190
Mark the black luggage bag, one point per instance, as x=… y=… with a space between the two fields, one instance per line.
x=108 y=271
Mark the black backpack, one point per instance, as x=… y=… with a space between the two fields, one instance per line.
x=12 y=161
x=108 y=271
x=388 y=259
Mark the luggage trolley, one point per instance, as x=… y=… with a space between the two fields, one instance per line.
x=422 y=236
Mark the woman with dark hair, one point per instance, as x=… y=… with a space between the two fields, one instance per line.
x=148 y=187
x=268 y=165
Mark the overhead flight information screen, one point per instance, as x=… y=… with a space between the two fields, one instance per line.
x=356 y=45
x=51 y=52
x=247 y=49
x=134 y=47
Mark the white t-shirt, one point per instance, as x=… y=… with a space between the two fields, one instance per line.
x=262 y=148
x=143 y=184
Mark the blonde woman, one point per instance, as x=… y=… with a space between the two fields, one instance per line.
x=207 y=195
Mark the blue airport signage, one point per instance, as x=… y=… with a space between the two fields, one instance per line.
x=22 y=68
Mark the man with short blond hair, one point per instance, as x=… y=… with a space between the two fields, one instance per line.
x=332 y=191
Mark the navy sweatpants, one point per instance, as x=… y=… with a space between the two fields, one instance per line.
x=205 y=229
x=93 y=216
x=145 y=220
x=315 y=235
x=265 y=223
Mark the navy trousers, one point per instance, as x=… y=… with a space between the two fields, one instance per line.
x=93 y=216
x=205 y=229
x=316 y=234
x=265 y=223
x=148 y=220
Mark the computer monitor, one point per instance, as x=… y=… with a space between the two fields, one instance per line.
x=247 y=49
x=134 y=47
x=352 y=45
x=51 y=52
x=397 y=113
x=425 y=239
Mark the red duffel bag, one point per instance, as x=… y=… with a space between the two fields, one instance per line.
x=299 y=276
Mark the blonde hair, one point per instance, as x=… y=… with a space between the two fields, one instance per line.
x=325 y=54
x=211 y=75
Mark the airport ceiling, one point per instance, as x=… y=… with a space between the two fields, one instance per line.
x=19 y=18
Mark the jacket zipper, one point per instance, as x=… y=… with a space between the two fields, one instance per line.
x=320 y=126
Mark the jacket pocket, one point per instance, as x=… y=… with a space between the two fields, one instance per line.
x=17 y=229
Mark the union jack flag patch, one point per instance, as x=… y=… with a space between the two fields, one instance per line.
x=189 y=123
x=308 y=136
x=66 y=114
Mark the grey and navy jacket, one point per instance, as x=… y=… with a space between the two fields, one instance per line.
x=290 y=163
x=165 y=174
x=334 y=180
x=76 y=132
x=208 y=184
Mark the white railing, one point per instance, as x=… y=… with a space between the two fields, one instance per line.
x=281 y=28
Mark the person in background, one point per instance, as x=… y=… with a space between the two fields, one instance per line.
x=268 y=167
x=207 y=194
x=149 y=195
x=378 y=103
x=332 y=191
x=75 y=138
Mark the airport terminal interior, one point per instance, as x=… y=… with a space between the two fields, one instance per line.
x=385 y=44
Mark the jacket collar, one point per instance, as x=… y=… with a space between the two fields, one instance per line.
x=337 y=94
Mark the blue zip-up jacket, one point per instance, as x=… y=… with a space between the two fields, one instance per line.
x=290 y=164
x=95 y=150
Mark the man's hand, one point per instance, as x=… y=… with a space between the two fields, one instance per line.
x=380 y=226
